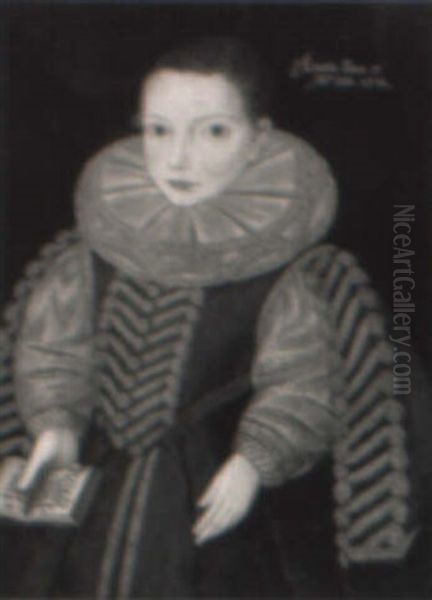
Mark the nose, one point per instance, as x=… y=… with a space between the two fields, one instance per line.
x=180 y=150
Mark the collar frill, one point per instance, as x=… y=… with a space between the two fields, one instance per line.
x=281 y=205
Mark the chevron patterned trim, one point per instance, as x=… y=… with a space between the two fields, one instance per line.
x=144 y=338
x=374 y=506
x=13 y=437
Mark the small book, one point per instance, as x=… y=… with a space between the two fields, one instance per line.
x=62 y=497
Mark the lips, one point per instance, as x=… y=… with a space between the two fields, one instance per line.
x=182 y=185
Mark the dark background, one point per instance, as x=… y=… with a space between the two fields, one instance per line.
x=69 y=81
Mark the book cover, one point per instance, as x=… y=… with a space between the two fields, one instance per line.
x=61 y=497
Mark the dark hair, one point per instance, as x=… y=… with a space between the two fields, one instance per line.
x=231 y=57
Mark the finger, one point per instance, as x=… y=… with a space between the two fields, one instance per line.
x=227 y=521
x=207 y=518
x=33 y=472
x=213 y=491
x=40 y=458
x=217 y=498
x=209 y=494
x=211 y=520
x=233 y=513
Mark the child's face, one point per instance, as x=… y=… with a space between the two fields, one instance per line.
x=198 y=137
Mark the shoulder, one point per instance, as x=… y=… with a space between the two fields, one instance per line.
x=299 y=282
x=60 y=275
x=62 y=271
x=320 y=283
x=323 y=269
x=328 y=284
x=64 y=259
x=294 y=302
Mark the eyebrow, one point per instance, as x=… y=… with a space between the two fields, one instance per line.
x=159 y=117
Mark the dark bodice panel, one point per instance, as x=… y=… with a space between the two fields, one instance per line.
x=223 y=344
x=212 y=373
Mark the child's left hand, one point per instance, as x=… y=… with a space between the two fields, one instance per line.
x=227 y=499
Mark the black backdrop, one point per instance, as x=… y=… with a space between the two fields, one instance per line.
x=69 y=79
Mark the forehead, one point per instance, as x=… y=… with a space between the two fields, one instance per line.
x=175 y=94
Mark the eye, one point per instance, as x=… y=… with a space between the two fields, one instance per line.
x=156 y=129
x=219 y=130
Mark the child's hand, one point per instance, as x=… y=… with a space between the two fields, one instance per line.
x=53 y=447
x=228 y=498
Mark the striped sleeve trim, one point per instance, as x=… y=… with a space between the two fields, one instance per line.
x=57 y=417
x=261 y=446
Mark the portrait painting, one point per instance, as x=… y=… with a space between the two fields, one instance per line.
x=215 y=281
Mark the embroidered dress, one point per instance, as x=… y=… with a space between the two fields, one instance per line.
x=170 y=337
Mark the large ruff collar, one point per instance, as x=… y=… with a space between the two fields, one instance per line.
x=281 y=205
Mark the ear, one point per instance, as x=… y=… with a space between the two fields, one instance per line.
x=263 y=127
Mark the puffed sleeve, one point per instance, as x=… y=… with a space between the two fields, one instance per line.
x=54 y=355
x=291 y=420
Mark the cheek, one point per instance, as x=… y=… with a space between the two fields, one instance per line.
x=224 y=159
x=154 y=156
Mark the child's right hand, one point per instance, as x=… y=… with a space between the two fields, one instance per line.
x=53 y=448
